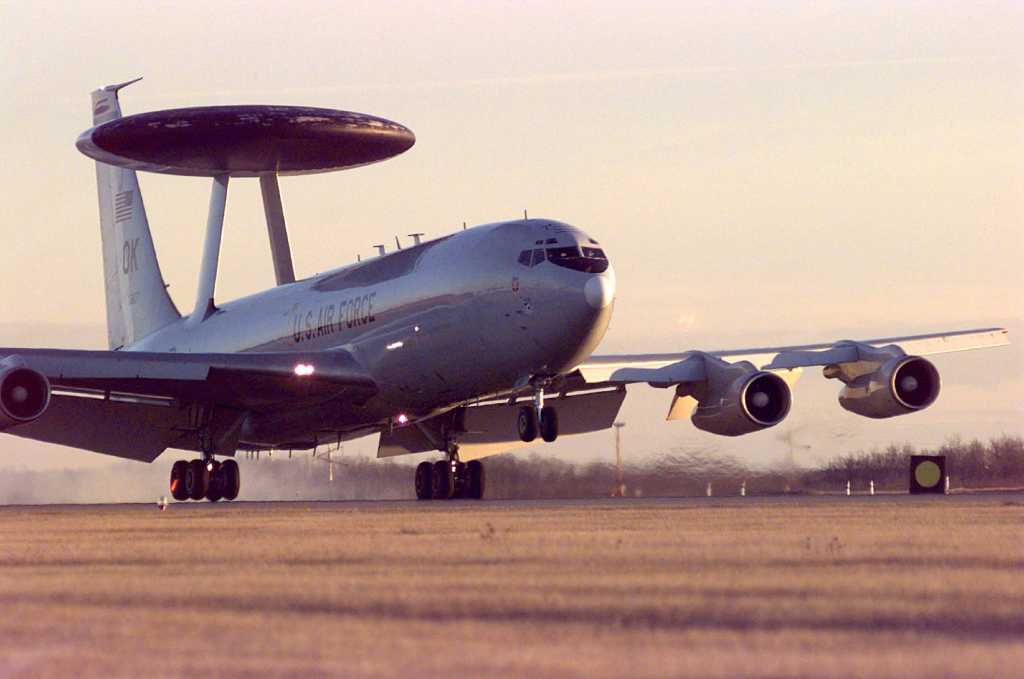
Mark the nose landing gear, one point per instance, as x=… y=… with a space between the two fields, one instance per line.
x=537 y=418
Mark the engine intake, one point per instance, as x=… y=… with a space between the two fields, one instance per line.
x=753 y=401
x=899 y=386
x=24 y=393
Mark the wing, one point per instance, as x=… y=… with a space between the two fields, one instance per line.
x=737 y=392
x=137 y=404
x=669 y=369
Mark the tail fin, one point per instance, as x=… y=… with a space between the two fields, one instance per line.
x=137 y=299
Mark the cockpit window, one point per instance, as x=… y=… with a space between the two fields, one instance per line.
x=590 y=260
x=560 y=254
x=531 y=257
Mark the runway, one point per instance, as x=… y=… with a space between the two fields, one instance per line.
x=710 y=587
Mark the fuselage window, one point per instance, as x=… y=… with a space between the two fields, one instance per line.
x=590 y=260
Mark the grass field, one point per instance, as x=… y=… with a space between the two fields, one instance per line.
x=881 y=586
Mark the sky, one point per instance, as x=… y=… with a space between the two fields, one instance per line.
x=759 y=173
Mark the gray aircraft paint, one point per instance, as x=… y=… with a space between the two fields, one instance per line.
x=417 y=332
x=453 y=320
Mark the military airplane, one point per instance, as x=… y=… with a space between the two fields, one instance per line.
x=470 y=344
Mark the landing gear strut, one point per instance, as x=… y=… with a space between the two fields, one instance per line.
x=196 y=479
x=537 y=418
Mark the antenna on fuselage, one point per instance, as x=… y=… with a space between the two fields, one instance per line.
x=380 y=249
x=463 y=226
x=398 y=243
x=416 y=237
x=525 y=216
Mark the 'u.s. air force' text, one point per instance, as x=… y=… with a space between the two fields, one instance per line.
x=334 y=317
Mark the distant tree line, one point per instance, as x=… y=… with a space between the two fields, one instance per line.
x=997 y=463
x=971 y=464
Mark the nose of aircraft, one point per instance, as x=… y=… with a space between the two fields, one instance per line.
x=600 y=289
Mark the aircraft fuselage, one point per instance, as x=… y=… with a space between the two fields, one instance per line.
x=438 y=324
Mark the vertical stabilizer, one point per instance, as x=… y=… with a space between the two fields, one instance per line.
x=137 y=299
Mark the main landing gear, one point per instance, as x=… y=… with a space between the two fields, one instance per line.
x=450 y=479
x=196 y=479
x=537 y=418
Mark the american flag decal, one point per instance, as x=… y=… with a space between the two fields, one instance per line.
x=123 y=203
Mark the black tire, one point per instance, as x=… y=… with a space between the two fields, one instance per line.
x=424 y=481
x=216 y=489
x=460 y=481
x=442 y=481
x=475 y=480
x=231 y=479
x=178 y=490
x=549 y=423
x=526 y=423
x=197 y=479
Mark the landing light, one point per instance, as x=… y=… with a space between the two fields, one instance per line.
x=395 y=345
x=402 y=419
x=304 y=369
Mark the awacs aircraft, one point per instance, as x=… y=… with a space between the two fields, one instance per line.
x=470 y=344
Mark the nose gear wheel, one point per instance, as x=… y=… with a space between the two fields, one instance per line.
x=549 y=424
x=526 y=424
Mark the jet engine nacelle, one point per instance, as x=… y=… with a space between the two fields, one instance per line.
x=24 y=392
x=731 y=405
x=900 y=385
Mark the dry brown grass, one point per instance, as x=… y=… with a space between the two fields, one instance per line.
x=812 y=587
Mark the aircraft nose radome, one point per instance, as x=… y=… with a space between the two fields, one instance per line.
x=600 y=290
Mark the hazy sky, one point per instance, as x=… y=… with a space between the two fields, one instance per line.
x=759 y=172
